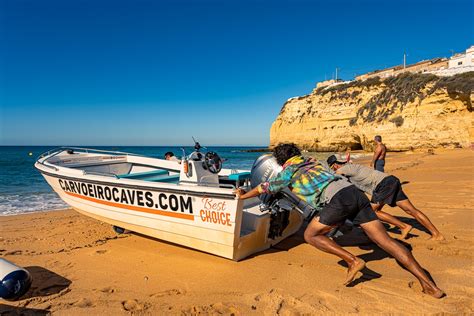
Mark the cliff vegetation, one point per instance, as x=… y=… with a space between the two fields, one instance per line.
x=409 y=111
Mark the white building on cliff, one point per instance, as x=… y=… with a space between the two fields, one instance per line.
x=463 y=59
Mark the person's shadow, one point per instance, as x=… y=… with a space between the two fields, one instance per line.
x=353 y=236
x=411 y=221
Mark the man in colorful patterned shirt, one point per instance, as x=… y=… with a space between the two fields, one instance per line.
x=341 y=200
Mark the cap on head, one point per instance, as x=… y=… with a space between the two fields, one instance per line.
x=378 y=138
x=332 y=160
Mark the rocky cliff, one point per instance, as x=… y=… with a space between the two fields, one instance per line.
x=409 y=111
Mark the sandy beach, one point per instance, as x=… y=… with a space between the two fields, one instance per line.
x=80 y=266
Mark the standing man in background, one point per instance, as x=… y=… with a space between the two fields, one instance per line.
x=378 y=160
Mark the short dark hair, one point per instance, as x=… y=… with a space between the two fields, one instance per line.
x=283 y=152
x=378 y=138
x=169 y=154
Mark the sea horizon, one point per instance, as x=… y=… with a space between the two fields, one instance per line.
x=24 y=190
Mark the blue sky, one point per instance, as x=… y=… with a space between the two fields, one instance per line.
x=158 y=72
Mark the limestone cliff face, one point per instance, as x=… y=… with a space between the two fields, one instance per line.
x=409 y=111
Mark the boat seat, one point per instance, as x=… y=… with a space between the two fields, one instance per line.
x=142 y=175
x=239 y=176
x=168 y=179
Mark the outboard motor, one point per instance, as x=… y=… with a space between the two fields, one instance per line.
x=280 y=204
x=14 y=280
x=264 y=168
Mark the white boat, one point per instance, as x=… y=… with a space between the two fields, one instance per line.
x=188 y=202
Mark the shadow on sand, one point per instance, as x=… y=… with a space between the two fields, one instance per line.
x=13 y=310
x=45 y=282
x=411 y=221
x=353 y=238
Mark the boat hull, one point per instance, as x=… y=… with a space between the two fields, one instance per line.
x=204 y=222
x=202 y=215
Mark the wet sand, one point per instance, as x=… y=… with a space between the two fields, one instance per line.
x=80 y=266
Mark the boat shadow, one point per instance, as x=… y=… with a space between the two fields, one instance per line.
x=45 y=283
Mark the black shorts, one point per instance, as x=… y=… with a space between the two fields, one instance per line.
x=388 y=191
x=348 y=203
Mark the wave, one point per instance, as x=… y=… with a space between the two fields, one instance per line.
x=11 y=204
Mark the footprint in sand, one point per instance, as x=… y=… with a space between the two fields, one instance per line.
x=107 y=290
x=134 y=305
x=280 y=303
x=101 y=252
x=13 y=253
x=84 y=303
x=171 y=292
x=212 y=309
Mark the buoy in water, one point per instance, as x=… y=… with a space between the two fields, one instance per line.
x=14 y=280
x=30 y=154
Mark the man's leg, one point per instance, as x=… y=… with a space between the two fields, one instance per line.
x=377 y=233
x=421 y=218
x=315 y=235
x=392 y=220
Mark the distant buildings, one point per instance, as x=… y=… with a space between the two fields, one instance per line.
x=423 y=66
x=458 y=63
x=327 y=83
x=463 y=60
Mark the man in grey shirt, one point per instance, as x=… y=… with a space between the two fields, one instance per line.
x=385 y=189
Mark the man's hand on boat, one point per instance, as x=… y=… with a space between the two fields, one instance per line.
x=242 y=194
x=239 y=192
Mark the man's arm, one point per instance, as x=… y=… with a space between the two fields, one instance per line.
x=281 y=181
x=241 y=194
x=376 y=156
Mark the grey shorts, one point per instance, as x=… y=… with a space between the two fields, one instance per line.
x=380 y=165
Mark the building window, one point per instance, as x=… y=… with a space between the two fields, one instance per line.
x=459 y=63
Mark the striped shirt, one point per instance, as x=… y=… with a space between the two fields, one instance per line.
x=306 y=177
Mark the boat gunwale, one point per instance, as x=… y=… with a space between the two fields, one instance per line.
x=140 y=187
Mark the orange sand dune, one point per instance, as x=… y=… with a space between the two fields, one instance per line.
x=80 y=266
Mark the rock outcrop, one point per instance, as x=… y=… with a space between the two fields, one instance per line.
x=409 y=111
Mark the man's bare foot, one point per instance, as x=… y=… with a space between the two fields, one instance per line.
x=437 y=237
x=432 y=290
x=405 y=231
x=355 y=267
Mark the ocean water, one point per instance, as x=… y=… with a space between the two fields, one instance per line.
x=23 y=189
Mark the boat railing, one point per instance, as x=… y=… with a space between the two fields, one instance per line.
x=56 y=151
x=85 y=150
